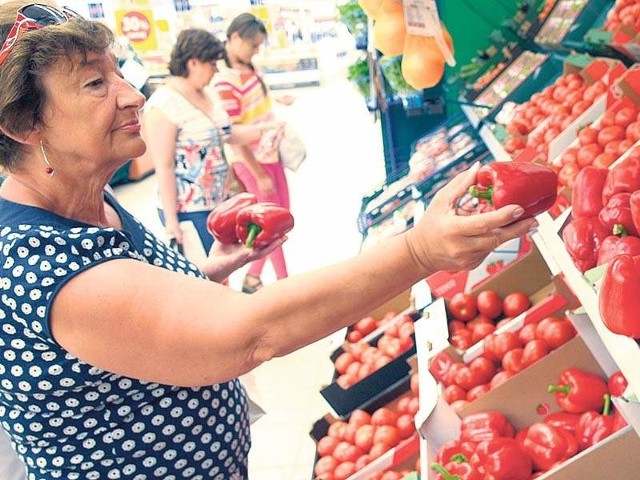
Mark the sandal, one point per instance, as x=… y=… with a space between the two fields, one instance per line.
x=251 y=284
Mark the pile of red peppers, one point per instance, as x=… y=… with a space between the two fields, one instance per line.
x=489 y=448
x=531 y=185
x=604 y=229
x=242 y=219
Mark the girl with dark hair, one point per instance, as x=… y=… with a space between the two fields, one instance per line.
x=246 y=99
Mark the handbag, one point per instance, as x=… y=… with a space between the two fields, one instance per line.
x=291 y=149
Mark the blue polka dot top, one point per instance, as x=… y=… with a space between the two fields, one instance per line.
x=70 y=420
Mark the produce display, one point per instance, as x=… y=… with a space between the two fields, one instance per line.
x=625 y=13
x=560 y=21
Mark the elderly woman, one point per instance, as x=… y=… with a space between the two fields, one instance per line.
x=121 y=357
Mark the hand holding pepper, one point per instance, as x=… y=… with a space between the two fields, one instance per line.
x=260 y=224
x=221 y=222
x=530 y=185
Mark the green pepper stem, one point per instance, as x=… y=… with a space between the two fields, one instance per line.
x=619 y=230
x=559 y=388
x=607 y=405
x=485 y=194
x=443 y=471
x=253 y=230
x=459 y=458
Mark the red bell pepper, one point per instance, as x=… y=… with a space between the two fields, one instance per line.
x=530 y=185
x=547 y=446
x=617 y=384
x=454 y=450
x=563 y=420
x=583 y=238
x=260 y=224
x=502 y=459
x=586 y=196
x=619 y=421
x=594 y=427
x=618 y=212
x=221 y=222
x=578 y=391
x=623 y=178
x=619 y=302
x=634 y=205
x=458 y=469
x=485 y=426
x=618 y=243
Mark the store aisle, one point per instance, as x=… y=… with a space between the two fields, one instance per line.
x=345 y=162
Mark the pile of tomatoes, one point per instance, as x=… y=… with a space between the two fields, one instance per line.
x=361 y=359
x=601 y=143
x=624 y=13
x=504 y=355
x=559 y=105
x=474 y=316
x=351 y=444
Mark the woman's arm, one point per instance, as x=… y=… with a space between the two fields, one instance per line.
x=263 y=181
x=150 y=323
x=160 y=136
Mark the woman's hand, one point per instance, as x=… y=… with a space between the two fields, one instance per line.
x=442 y=240
x=224 y=259
x=173 y=231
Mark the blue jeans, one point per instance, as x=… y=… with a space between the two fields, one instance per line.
x=199 y=220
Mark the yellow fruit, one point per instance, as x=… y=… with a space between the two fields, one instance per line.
x=371 y=7
x=422 y=61
x=389 y=30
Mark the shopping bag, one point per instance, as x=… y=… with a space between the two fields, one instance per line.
x=292 y=149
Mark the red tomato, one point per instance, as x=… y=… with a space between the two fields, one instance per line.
x=326 y=445
x=481 y=330
x=359 y=417
x=406 y=330
x=354 y=336
x=378 y=449
x=496 y=346
x=609 y=134
x=543 y=324
x=386 y=434
x=569 y=156
x=515 y=303
x=363 y=461
x=462 y=339
x=483 y=367
x=625 y=116
x=587 y=135
x=534 y=350
x=324 y=466
x=604 y=160
x=477 y=391
x=453 y=392
x=414 y=406
x=625 y=145
x=633 y=132
x=558 y=333
x=580 y=107
x=527 y=333
x=456 y=325
x=489 y=303
x=607 y=119
x=479 y=320
x=343 y=361
x=414 y=384
x=364 y=437
x=384 y=416
x=337 y=429
x=459 y=405
x=612 y=147
x=512 y=360
x=346 y=452
x=567 y=174
x=346 y=380
x=381 y=361
x=588 y=153
x=344 y=470
x=463 y=306
x=366 y=325
x=500 y=378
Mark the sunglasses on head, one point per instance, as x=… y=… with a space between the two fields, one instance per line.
x=34 y=17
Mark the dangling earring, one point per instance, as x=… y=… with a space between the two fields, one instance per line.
x=50 y=171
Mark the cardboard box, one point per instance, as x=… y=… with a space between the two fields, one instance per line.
x=446 y=284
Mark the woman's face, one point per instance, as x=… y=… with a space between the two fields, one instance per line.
x=91 y=113
x=244 y=49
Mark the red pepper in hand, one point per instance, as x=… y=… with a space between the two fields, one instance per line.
x=583 y=238
x=586 y=196
x=617 y=384
x=458 y=469
x=618 y=212
x=260 y=224
x=623 y=178
x=578 y=391
x=546 y=445
x=485 y=426
x=594 y=427
x=221 y=222
x=563 y=420
x=531 y=185
x=619 y=302
x=618 y=243
x=502 y=459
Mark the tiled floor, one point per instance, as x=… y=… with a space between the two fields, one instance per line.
x=344 y=162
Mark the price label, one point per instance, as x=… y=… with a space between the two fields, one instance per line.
x=138 y=27
x=421 y=18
